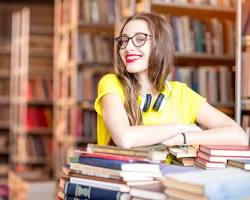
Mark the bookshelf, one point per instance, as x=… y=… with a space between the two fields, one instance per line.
x=5 y=44
x=205 y=42
x=83 y=52
x=31 y=89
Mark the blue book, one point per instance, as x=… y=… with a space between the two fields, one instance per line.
x=81 y=192
x=117 y=164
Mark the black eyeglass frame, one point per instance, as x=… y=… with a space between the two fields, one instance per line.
x=131 y=38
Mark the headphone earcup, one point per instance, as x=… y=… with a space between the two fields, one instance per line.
x=158 y=102
x=147 y=103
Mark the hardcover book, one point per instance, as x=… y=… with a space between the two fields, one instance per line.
x=228 y=183
x=244 y=164
x=209 y=165
x=117 y=164
x=155 y=153
x=226 y=150
x=224 y=159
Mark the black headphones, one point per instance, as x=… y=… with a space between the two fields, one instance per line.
x=157 y=104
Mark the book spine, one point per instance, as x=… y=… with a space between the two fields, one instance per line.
x=99 y=162
x=76 y=191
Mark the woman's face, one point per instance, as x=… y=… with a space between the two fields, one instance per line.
x=135 y=55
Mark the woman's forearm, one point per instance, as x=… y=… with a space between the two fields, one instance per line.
x=133 y=136
x=227 y=135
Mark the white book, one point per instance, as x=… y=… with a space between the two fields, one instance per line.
x=100 y=184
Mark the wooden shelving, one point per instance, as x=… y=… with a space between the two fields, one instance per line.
x=200 y=11
x=31 y=117
x=83 y=52
x=5 y=44
x=203 y=58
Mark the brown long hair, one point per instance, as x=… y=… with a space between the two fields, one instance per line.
x=160 y=63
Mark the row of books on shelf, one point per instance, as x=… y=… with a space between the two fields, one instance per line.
x=89 y=11
x=86 y=125
x=95 y=48
x=222 y=3
x=108 y=172
x=212 y=82
x=87 y=82
x=40 y=89
x=38 y=117
x=99 y=12
x=35 y=149
x=212 y=36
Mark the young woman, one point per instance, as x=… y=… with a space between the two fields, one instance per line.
x=138 y=107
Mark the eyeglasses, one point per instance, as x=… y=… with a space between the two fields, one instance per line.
x=138 y=40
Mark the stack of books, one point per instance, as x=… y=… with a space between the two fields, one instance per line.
x=183 y=155
x=216 y=156
x=108 y=172
x=230 y=183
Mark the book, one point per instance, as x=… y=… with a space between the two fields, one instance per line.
x=110 y=175
x=95 y=171
x=181 y=152
x=100 y=184
x=187 y=162
x=226 y=150
x=88 y=192
x=84 y=153
x=212 y=158
x=182 y=195
x=209 y=165
x=227 y=183
x=244 y=164
x=116 y=164
x=151 y=191
x=152 y=154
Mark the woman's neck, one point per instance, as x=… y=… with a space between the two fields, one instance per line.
x=146 y=86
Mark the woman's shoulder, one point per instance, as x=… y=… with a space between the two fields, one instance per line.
x=110 y=80
x=176 y=85
x=110 y=77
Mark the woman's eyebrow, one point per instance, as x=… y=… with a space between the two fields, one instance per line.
x=124 y=34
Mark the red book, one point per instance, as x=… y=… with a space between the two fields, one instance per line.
x=208 y=165
x=226 y=150
x=83 y=153
x=212 y=158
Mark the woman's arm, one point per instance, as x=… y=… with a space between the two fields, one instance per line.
x=221 y=129
x=124 y=135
